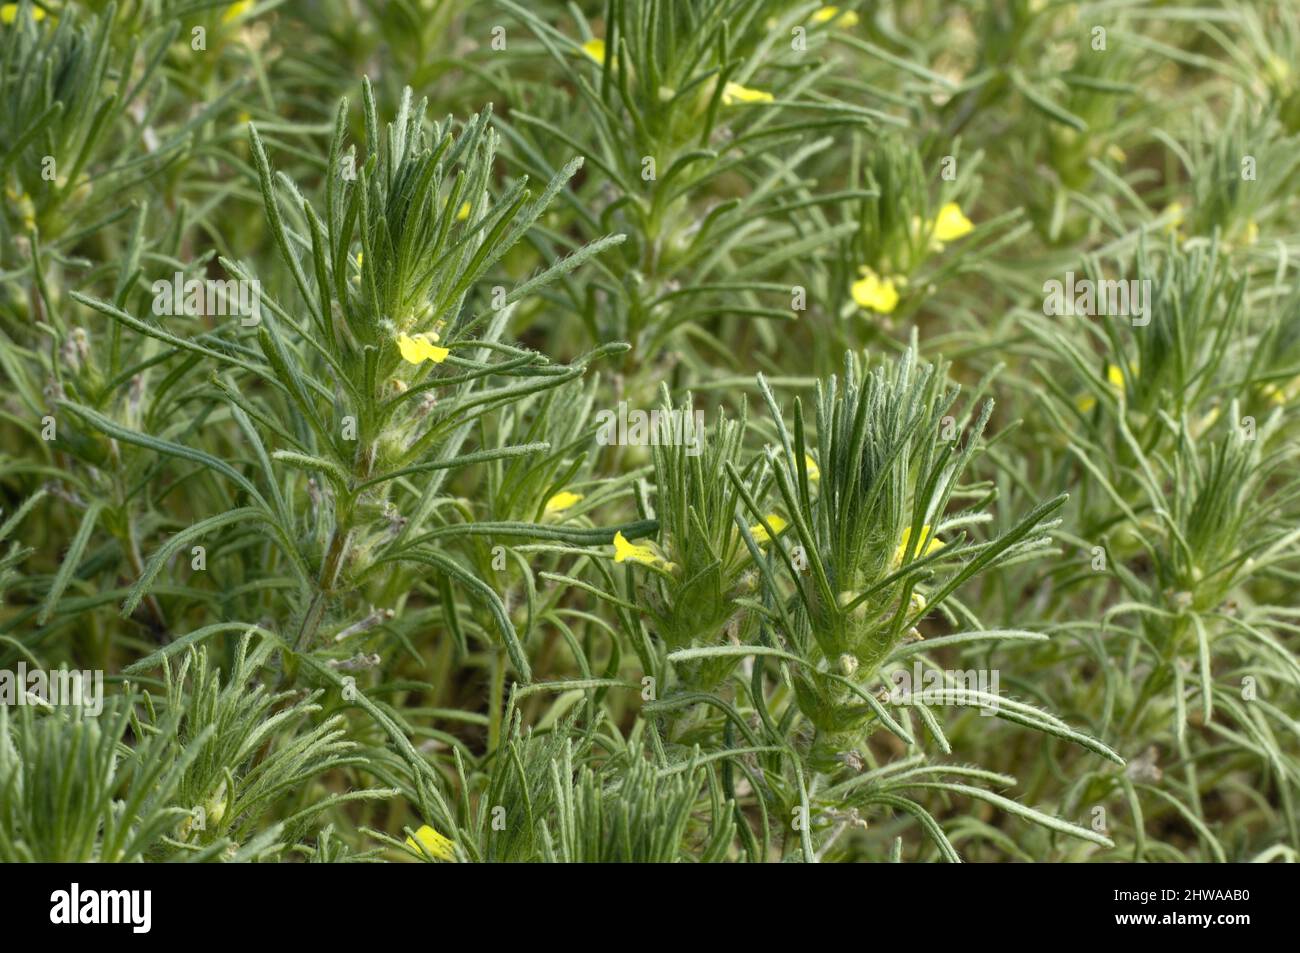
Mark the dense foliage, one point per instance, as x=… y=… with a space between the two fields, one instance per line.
x=964 y=525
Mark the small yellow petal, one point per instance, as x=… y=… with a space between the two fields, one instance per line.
x=928 y=545
x=215 y=806
x=846 y=18
x=951 y=224
x=623 y=551
x=1252 y=233
x=25 y=209
x=734 y=93
x=462 y=213
x=1115 y=378
x=1280 y=395
x=236 y=10
x=1175 y=212
x=1207 y=421
x=595 y=48
x=1277 y=70
x=1116 y=153
x=645 y=555
x=875 y=293
x=416 y=349
x=434 y=843
x=760 y=533
x=9 y=13
x=562 y=501
x=814 y=471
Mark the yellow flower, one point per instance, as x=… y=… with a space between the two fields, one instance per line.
x=1117 y=154
x=951 y=224
x=25 y=207
x=416 y=349
x=814 y=471
x=645 y=555
x=9 y=13
x=236 y=10
x=562 y=501
x=215 y=806
x=1282 y=394
x=760 y=534
x=734 y=93
x=1175 y=212
x=1114 y=377
x=1206 y=421
x=595 y=48
x=1252 y=233
x=845 y=19
x=875 y=293
x=1277 y=71
x=929 y=544
x=462 y=213
x=433 y=843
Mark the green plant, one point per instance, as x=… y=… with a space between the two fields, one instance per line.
x=671 y=451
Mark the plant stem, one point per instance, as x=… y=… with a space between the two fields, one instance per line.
x=495 y=698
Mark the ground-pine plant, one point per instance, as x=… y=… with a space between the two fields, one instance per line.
x=729 y=431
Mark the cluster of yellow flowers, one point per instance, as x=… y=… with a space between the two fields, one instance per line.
x=649 y=554
x=9 y=13
x=881 y=293
x=871 y=291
